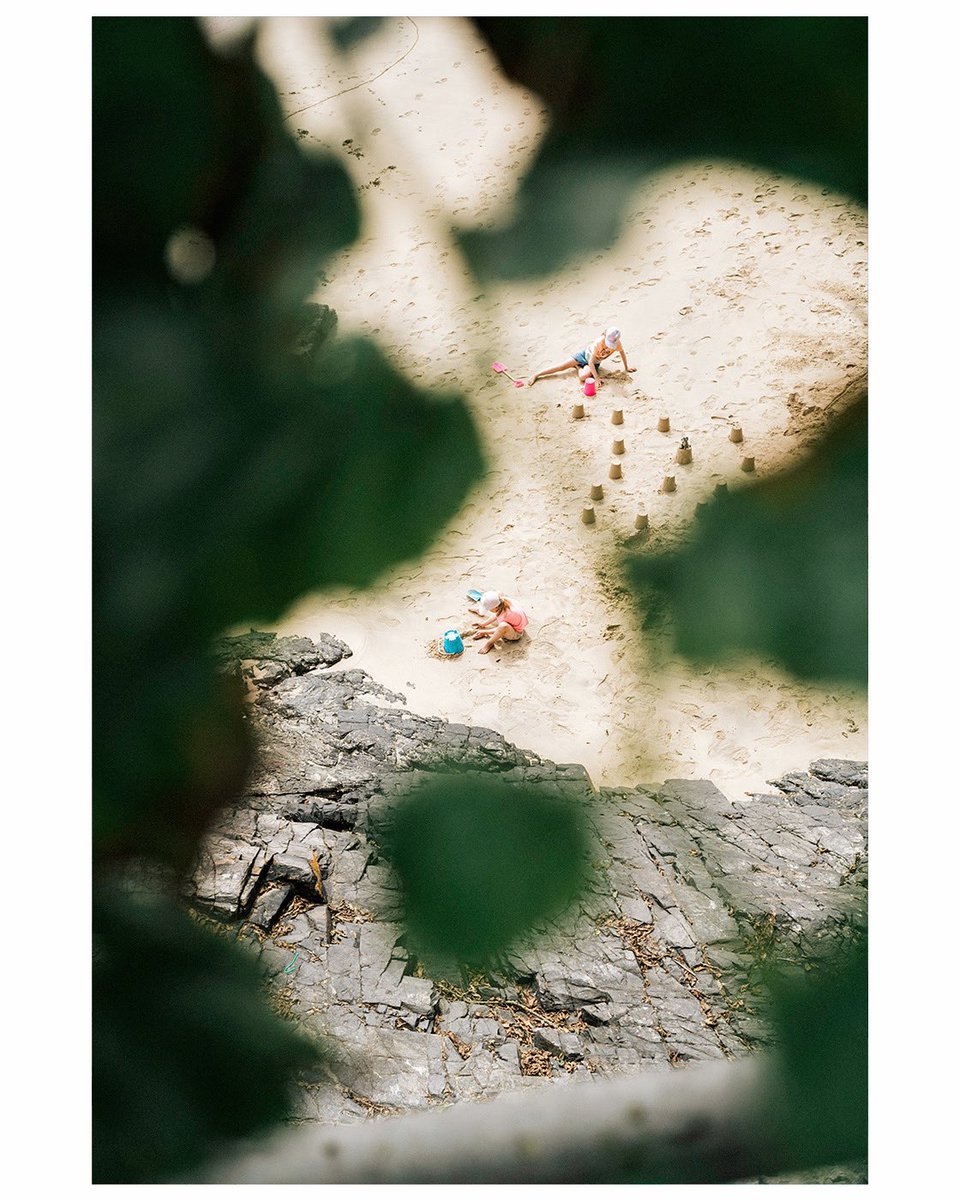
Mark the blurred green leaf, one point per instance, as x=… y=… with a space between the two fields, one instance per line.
x=630 y=95
x=217 y=506
x=821 y=1038
x=481 y=862
x=564 y=209
x=155 y=135
x=186 y=1054
x=779 y=567
x=242 y=457
x=350 y=31
x=170 y=747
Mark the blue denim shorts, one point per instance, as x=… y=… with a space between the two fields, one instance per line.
x=581 y=358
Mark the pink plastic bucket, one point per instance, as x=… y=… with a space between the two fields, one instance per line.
x=590 y=387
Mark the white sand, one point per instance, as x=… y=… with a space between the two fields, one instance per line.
x=742 y=299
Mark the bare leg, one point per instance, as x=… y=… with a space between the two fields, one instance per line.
x=564 y=366
x=503 y=630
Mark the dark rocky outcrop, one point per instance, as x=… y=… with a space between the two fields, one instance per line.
x=693 y=894
x=266 y=659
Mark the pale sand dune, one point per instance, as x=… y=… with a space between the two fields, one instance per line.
x=742 y=299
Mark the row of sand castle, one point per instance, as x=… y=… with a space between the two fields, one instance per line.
x=502 y=618
x=586 y=363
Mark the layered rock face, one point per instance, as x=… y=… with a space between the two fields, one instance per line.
x=692 y=895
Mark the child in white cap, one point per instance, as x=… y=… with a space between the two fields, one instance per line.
x=587 y=361
x=501 y=617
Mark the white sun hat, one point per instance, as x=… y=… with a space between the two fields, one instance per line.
x=612 y=337
x=489 y=602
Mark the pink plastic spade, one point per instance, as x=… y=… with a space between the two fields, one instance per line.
x=502 y=370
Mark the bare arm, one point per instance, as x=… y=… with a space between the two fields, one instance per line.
x=623 y=357
x=486 y=622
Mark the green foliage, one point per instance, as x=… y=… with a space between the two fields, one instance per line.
x=185 y=1051
x=349 y=31
x=563 y=210
x=482 y=862
x=630 y=95
x=779 y=567
x=821 y=1037
x=242 y=457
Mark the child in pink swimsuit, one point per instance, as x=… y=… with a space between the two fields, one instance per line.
x=501 y=617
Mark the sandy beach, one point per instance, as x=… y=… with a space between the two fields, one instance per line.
x=742 y=297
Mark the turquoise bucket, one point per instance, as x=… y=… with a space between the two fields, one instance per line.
x=452 y=642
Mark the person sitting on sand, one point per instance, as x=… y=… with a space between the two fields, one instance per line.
x=587 y=361
x=501 y=617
